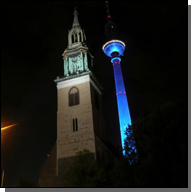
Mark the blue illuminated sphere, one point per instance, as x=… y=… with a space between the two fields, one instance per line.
x=113 y=46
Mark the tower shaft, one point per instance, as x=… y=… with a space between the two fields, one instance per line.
x=123 y=108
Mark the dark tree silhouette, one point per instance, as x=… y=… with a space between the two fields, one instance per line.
x=130 y=146
x=162 y=146
x=85 y=171
x=24 y=183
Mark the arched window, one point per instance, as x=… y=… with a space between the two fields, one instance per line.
x=80 y=37
x=74 y=37
x=73 y=96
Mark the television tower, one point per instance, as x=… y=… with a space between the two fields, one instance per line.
x=114 y=48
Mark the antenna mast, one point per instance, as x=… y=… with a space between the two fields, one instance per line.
x=107 y=7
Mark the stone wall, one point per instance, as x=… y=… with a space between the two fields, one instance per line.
x=69 y=142
x=91 y=134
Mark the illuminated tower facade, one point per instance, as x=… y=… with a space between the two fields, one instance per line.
x=114 y=49
x=80 y=123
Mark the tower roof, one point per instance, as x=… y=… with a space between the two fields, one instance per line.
x=75 y=22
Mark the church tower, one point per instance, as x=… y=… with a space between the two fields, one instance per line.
x=80 y=123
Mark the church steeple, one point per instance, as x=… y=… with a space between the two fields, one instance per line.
x=75 y=35
x=75 y=55
x=80 y=121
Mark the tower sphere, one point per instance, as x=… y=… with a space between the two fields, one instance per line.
x=113 y=46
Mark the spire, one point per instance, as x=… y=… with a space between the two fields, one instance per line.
x=108 y=12
x=110 y=27
x=75 y=22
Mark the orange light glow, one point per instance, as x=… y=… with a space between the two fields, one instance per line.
x=8 y=126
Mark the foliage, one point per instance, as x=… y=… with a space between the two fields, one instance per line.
x=24 y=183
x=130 y=146
x=85 y=171
x=121 y=174
x=161 y=140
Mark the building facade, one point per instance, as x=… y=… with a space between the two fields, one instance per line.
x=80 y=121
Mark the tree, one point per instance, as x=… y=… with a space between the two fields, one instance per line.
x=85 y=171
x=123 y=170
x=122 y=173
x=161 y=140
x=24 y=183
x=130 y=146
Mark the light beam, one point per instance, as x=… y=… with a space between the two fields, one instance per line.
x=3 y=128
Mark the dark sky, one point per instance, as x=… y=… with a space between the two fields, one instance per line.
x=33 y=38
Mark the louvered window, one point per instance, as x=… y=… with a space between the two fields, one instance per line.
x=75 y=124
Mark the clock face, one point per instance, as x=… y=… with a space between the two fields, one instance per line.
x=74 y=59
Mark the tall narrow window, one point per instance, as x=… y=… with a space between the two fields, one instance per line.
x=80 y=36
x=75 y=37
x=75 y=125
x=72 y=38
x=73 y=96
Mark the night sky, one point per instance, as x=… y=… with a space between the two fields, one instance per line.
x=33 y=37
